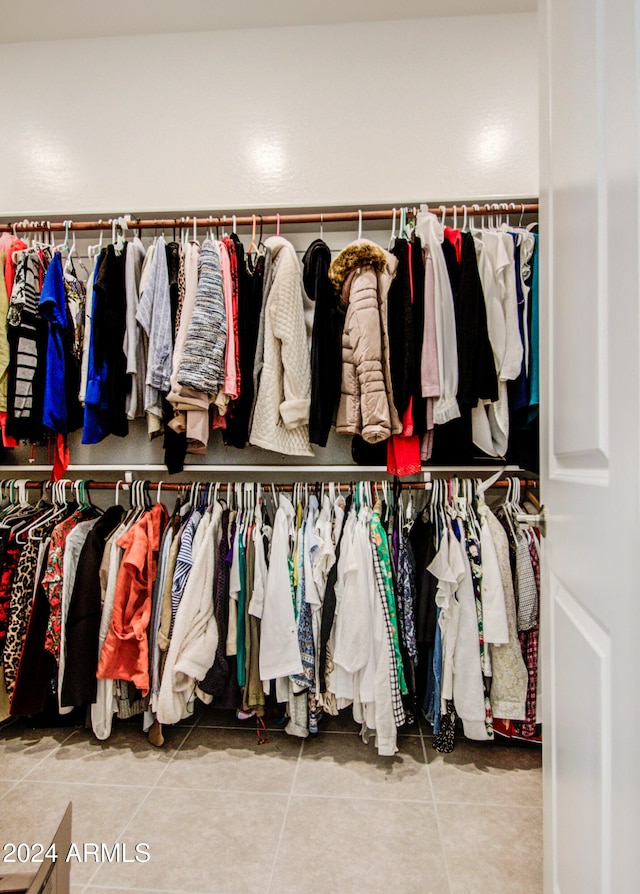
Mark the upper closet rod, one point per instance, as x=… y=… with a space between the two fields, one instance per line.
x=316 y=217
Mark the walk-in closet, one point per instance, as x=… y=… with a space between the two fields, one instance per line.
x=319 y=440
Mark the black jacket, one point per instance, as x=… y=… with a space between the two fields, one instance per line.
x=79 y=686
x=326 y=346
x=250 y=283
x=402 y=334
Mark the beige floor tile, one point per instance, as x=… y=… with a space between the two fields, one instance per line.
x=21 y=748
x=232 y=760
x=32 y=811
x=344 y=765
x=125 y=758
x=372 y=846
x=492 y=848
x=487 y=773
x=92 y=889
x=5 y=786
x=201 y=841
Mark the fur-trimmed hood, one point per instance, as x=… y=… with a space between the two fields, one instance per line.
x=361 y=253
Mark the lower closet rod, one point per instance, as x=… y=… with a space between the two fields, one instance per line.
x=287 y=488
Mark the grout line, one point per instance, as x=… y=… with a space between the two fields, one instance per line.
x=276 y=794
x=144 y=800
x=435 y=811
x=98 y=888
x=284 y=818
x=490 y=804
x=127 y=785
x=91 y=888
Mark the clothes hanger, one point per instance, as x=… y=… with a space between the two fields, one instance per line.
x=252 y=245
x=93 y=250
x=393 y=230
x=64 y=246
x=58 y=510
x=121 y=237
x=404 y=232
x=85 y=496
x=73 y=251
x=261 y=245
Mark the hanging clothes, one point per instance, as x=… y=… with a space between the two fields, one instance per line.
x=326 y=352
x=107 y=386
x=283 y=396
x=82 y=628
x=27 y=334
x=362 y=275
x=194 y=638
x=124 y=655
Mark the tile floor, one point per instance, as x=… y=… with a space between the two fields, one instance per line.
x=224 y=815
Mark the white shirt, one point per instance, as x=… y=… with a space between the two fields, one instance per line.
x=279 y=650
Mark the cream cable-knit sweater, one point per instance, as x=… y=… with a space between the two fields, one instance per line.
x=281 y=414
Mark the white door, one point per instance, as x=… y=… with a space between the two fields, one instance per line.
x=590 y=444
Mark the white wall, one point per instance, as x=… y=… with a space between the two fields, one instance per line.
x=319 y=116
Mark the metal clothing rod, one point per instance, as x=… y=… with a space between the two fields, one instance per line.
x=186 y=485
x=228 y=221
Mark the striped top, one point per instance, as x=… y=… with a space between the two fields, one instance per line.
x=183 y=563
x=24 y=317
x=202 y=364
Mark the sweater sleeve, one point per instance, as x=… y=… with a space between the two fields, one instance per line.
x=288 y=326
x=366 y=343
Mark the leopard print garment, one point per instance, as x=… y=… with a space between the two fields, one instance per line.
x=20 y=611
x=181 y=291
